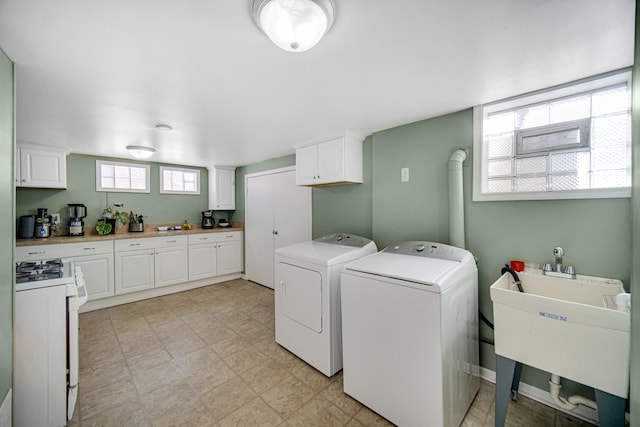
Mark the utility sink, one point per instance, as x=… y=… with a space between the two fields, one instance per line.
x=568 y=327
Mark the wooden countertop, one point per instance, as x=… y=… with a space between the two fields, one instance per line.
x=123 y=233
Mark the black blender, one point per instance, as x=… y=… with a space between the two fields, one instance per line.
x=207 y=219
x=76 y=213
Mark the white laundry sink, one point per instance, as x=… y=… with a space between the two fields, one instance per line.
x=568 y=327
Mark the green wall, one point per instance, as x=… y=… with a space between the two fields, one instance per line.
x=81 y=188
x=7 y=232
x=594 y=233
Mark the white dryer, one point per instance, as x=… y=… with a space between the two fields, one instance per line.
x=410 y=333
x=307 y=297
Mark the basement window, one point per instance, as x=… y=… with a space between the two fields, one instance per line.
x=179 y=180
x=122 y=177
x=569 y=142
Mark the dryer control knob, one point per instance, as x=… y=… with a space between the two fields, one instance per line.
x=420 y=248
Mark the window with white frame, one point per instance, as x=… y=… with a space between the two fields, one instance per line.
x=122 y=177
x=179 y=180
x=568 y=142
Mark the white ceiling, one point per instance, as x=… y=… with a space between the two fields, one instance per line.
x=95 y=76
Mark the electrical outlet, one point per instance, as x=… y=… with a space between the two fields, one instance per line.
x=55 y=218
x=404 y=175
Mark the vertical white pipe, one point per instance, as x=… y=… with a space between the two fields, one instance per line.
x=456 y=199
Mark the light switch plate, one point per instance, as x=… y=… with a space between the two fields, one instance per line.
x=404 y=175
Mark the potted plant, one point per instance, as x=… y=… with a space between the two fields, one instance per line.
x=113 y=215
x=103 y=227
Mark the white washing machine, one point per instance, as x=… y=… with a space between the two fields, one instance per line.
x=307 y=297
x=410 y=333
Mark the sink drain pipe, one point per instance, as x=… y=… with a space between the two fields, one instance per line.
x=570 y=403
x=456 y=198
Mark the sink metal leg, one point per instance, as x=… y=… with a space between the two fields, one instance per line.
x=610 y=409
x=516 y=381
x=504 y=377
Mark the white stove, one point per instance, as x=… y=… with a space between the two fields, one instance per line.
x=48 y=296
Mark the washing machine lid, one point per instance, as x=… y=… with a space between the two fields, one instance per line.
x=419 y=262
x=329 y=250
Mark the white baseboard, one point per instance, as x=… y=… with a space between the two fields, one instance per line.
x=544 y=397
x=5 y=411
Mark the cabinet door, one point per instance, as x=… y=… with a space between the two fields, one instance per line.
x=331 y=161
x=42 y=168
x=98 y=274
x=306 y=165
x=202 y=261
x=229 y=257
x=171 y=266
x=222 y=188
x=134 y=271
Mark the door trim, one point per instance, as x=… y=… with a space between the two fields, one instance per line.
x=267 y=172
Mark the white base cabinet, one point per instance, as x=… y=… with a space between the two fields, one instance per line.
x=214 y=254
x=95 y=258
x=134 y=271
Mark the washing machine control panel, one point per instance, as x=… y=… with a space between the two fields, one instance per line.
x=344 y=240
x=427 y=250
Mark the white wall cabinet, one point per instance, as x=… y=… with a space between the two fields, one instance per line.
x=222 y=188
x=94 y=258
x=39 y=167
x=331 y=162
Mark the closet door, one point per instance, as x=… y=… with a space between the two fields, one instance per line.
x=259 y=230
x=278 y=213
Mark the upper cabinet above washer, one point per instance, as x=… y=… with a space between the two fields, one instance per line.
x=222 y=188
x=40 y=167
x=332 y=162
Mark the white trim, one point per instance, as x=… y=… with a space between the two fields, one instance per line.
x=544 y=397
x=5 y=410
x=268 y=172
x=100 y=188
x=480 y=149
x=183 y=170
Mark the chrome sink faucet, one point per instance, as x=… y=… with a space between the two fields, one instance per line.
x=568 y=273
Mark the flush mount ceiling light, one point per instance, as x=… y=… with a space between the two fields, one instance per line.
x=294 y=25
x=140 y=152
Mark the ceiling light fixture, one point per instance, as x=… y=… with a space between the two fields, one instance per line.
x=162 y=126
x=294 y=25
x=140 y=152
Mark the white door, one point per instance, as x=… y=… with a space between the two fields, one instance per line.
x=273 y=204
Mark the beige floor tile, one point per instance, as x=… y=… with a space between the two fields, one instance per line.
x=166 y=374
x=311 y=376
x=95 y=328
x=130 y=413
x=201 y=362
x=177 y=404
x=245 y=359
x=254 y=413
x=218 y=374
x=228 y=397
x=216 y=334
x=143 y=345
x=163 y=320
x=185 y=345
x=334 y=393
x=105 y=398
x=231 y=316
x=148 y=360
x=265 y=375
x=288 y=396
x=369 y=418
x=101 y=351
x=98 y=376
x=229 y=346
x=318 y=413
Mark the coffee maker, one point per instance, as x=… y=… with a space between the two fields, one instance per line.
x=76 y=213
x=43 y=223
x=207 y=219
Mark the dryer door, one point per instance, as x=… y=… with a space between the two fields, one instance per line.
x=301 y=295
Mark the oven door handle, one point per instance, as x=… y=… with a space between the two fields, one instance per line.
x=81 y=285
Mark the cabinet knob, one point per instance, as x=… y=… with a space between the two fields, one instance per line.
x=275 y=232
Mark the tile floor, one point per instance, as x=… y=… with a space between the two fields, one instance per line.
x=207 y=357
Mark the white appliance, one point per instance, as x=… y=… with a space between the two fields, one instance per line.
x=307 y=297
x=410 y=333
x=46 y=342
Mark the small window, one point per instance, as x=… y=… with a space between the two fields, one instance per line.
x=122 y=177
x=179 y=181
x=568 y=142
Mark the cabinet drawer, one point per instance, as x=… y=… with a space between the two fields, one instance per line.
x=62 y=250
x=88 y=248
x=230 y=236
x=135 y=244
x=198 y=239
x=170 y=241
